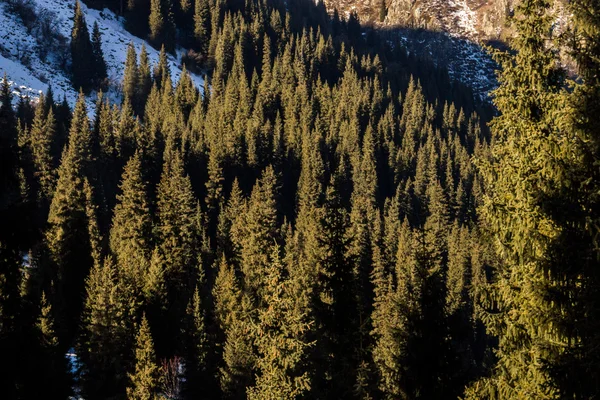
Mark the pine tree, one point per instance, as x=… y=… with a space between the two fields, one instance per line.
x=145 y=379
x=100 y=73
x=82 y=52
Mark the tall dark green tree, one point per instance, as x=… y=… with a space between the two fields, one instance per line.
x=82 y=52
x=131 y=230
x=526 y=179
x=67 y=236
x=145 y=379
x=202 y=25
x=106 y=342
x=99 y=65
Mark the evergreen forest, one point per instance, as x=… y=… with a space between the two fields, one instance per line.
x=329 y=217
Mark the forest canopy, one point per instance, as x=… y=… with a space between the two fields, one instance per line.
x=328 y=217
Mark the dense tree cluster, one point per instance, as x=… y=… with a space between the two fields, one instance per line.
x=310 y=224
x=88 y=68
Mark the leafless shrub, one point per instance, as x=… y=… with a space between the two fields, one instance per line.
x=171 y=370
x=25 y=10
x=193 y=61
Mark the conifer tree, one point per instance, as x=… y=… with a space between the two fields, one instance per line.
x=144 y=381
x=280 y=339
x=130 y=77
x=156 y=21
x=260 y=229
x=162 y=69
x=67 y=236
x=130 y=234
x=10 y=258
x=523 y=175
x=42 y=135
x=53 y=368
x=178 y=239
x=107 y=333
x=82 y=52
x=202 y=25
x=232 y=311
x=196 y=347
x=581 y=363
x=389 y=324
x=144 y=82
x=100 y=73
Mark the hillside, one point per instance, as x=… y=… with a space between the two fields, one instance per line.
x=337 y=215
x=475 y=20
x=37 y=55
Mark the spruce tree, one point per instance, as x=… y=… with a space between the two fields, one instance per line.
x=42 y=136
x=232 y=311
x=106 y=340
x=82 y=53
x=144 y=381
x=130 y=77
x=53 y=364
x=196 y=367
x=130 y=234
x=202 y=25
x=582 y=363
x=100 y=73
x=144 y=82
x=280 y=339
x=523 y=175
x=156 y=21
x=67 y=236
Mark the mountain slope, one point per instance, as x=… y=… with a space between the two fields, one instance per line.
x=31 y=66
x=476 y=20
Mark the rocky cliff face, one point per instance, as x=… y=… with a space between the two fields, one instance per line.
x=469 y=19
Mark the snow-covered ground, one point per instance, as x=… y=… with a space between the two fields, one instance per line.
x=30 y=75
